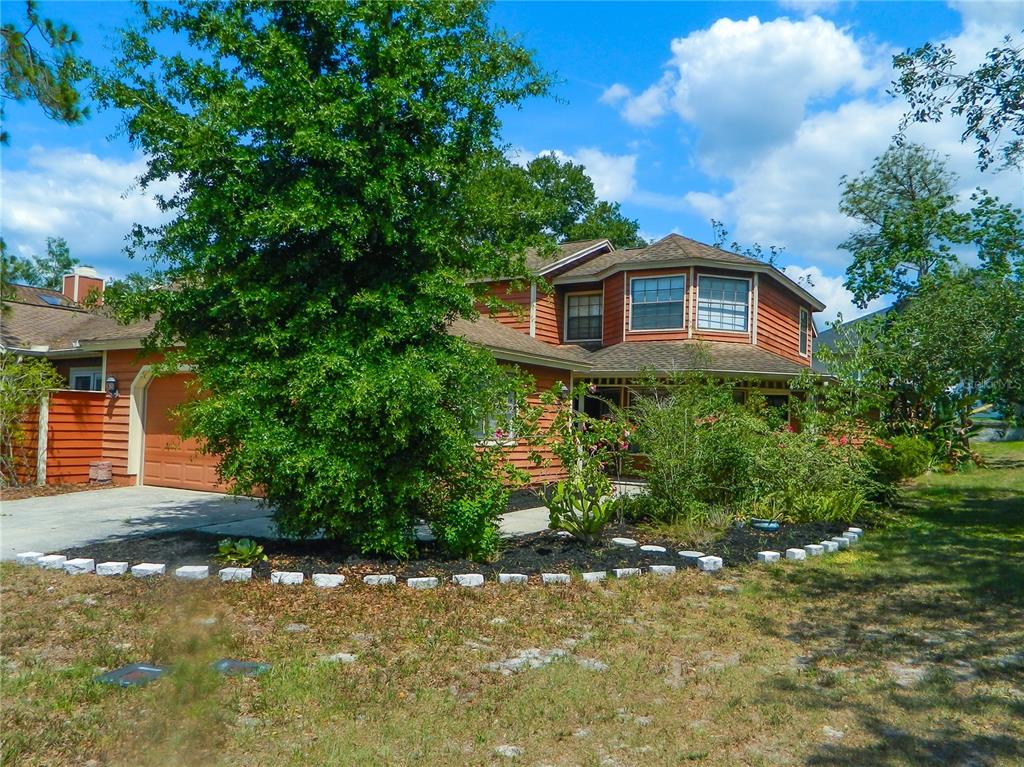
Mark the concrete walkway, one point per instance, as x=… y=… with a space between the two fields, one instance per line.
x=58 y=522
x=77 y=519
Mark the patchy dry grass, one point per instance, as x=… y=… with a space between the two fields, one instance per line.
x=904 y=651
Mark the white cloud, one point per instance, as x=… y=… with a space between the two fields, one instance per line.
x=88 y=200
x=747 y=85
x=830 y=291
x=614 y=175
x=789 y=194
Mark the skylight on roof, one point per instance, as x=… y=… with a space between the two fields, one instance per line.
x=52 y=300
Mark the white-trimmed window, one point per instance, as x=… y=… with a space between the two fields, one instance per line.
x=498 y=426
x=583 y=317
x=805 y=332
x=656 y=303
x=85 y=379
x=723 y=303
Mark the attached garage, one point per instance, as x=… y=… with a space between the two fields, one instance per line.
x=168 y=459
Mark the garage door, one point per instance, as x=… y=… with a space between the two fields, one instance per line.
x=171 y=461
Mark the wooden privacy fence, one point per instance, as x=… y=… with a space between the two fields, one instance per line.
x=72 y=422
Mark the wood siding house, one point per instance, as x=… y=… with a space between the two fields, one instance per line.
x=595 y=314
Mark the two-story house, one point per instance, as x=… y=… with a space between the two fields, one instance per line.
x=596 y=314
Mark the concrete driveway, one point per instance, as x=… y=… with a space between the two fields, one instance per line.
x=57 y=522
x=71 y=520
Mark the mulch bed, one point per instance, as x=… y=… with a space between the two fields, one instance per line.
x=39 y=491
x=530 y=554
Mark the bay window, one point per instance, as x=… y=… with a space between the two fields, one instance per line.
x=656 y=303
x=722 y=303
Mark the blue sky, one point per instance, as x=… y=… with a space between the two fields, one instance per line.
x=683 y=112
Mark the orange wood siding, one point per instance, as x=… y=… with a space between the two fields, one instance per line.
x=778 y=321
x=74 y=435
x=519 y=454
x=518 y=297
x=548 y=323
x=614 y=309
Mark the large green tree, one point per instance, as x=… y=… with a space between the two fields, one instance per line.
x=989 y=98
x=38 y=63
x=909 y=224
x=556 y=198
x=323 y=235
x=46 y=271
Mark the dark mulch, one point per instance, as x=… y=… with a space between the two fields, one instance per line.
x=37 y=491
x=531 y=554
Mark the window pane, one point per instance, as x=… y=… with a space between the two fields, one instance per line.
x=656 y=303
x=722 y=303
x=584 y=318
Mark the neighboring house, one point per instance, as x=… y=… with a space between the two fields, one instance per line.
x=601 y=315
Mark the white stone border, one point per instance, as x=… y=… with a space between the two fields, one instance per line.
x=697 y=559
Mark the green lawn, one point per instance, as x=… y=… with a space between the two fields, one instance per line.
x=904 y=651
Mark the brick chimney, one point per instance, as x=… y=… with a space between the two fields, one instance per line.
x=80 y=282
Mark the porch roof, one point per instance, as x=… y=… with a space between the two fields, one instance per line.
x=679 y=356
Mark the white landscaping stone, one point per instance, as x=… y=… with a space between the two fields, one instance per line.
x=148 y=569
x=855 y=530
x=595 y=576
x=422 y=583
x=550 y=578
x=564 y=534
x=626 y=572
x=796 y=554
x=285 y=578
x=327 y=580
x=111 y=568
x=843 y=543
x=653 y=549
x=80 y=566
x=192 y=572
x=339 y=657
x=768 y=556
x=831 y=547
x=690 y=557
x=511 y=578
x=662 y=569
x=380 y=580
x=236 y=574
x=626 y=543
x=53 y=561
x=510 y=752
x=29 y=557
x=709 y=564
x=851 y=537
x=470 y=580
x=814 y=549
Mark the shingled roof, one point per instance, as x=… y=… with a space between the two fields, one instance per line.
x=501 y=338
x=672 y=356
x=46 y=327
x=537 y=264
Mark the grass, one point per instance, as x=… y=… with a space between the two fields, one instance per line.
x=908 y=645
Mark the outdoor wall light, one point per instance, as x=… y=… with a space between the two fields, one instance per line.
x=563 y=392
x=112 y=387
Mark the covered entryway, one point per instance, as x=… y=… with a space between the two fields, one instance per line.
x=169 y=460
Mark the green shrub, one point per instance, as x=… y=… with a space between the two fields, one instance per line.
x=708 y=455
x=580 y=507
x=468 y=526
x=244 y=552
x=899 y=459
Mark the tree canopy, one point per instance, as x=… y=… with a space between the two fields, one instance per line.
x=990 y=98
x=46 y=271
x=328 y=159
x=38 y=63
